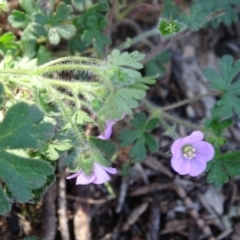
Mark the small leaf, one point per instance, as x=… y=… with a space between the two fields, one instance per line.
x=66 y=31
x=7 y=42
x=138 y=151
x=224 y=166
x=53 y=36
x=216 y=175
x=120 y=102
x=196 y=18
x=126 y=59
x=82 y=4
x=139 y=120
x=151 y=143
x=216 y=123
x=27 y=5
x=224 y=82
x=18 y=19
x=127 y=136
x=139 y=137
x=151 y=124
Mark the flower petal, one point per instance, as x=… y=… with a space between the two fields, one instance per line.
x=110 y=169
x=194 y=137
x=176 y=148
x=74 y=175
x=204 y=149
x=180 y=165
x=108 y=129
x=84 y=179
x=198 y=165
x=100 y=174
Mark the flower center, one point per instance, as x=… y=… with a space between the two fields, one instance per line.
x=188 y=152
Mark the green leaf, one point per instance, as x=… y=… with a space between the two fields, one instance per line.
x=216 y=175
x=120 y=68
x=63 y=13
x=126 y=86
x=127 y=136
x=94 y=22
x=216 y=123
x=81 y=4
x=139 y=137
x=151 y=143
x=55 y=147
x=21 y=128
x=224 y=166
x=138 y=151
x=151 y=124
x=53 y=36
x=80 y=118
x=43 y=55
x=120 y=102
x=227 y=18
x=139 y=120
x=66 y=31
x=18 y=19
x=88 y=36
x=55 y=23
x=126 y=59
x=170 y=10
x=22 y=175
x=27 y=5
x=75 y=43
x=224 y=82
x=196 y=18
x=143 y=82
x=7 y=42
x=101 y=41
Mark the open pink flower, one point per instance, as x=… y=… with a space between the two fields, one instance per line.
x=190 y=154
x=98 y=176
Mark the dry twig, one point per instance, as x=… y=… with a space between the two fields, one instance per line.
x=62 y=203
x=49 y=228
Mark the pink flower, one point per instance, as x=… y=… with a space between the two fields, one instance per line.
x=190 y=154
x=98 y=176
x=108 y=129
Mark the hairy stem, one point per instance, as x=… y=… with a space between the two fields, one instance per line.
x=73 y=59
x=50 y=69
x=156 y=111
x=184 y=102
x=76 y=131
x=129 y=42
x=181 y=122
